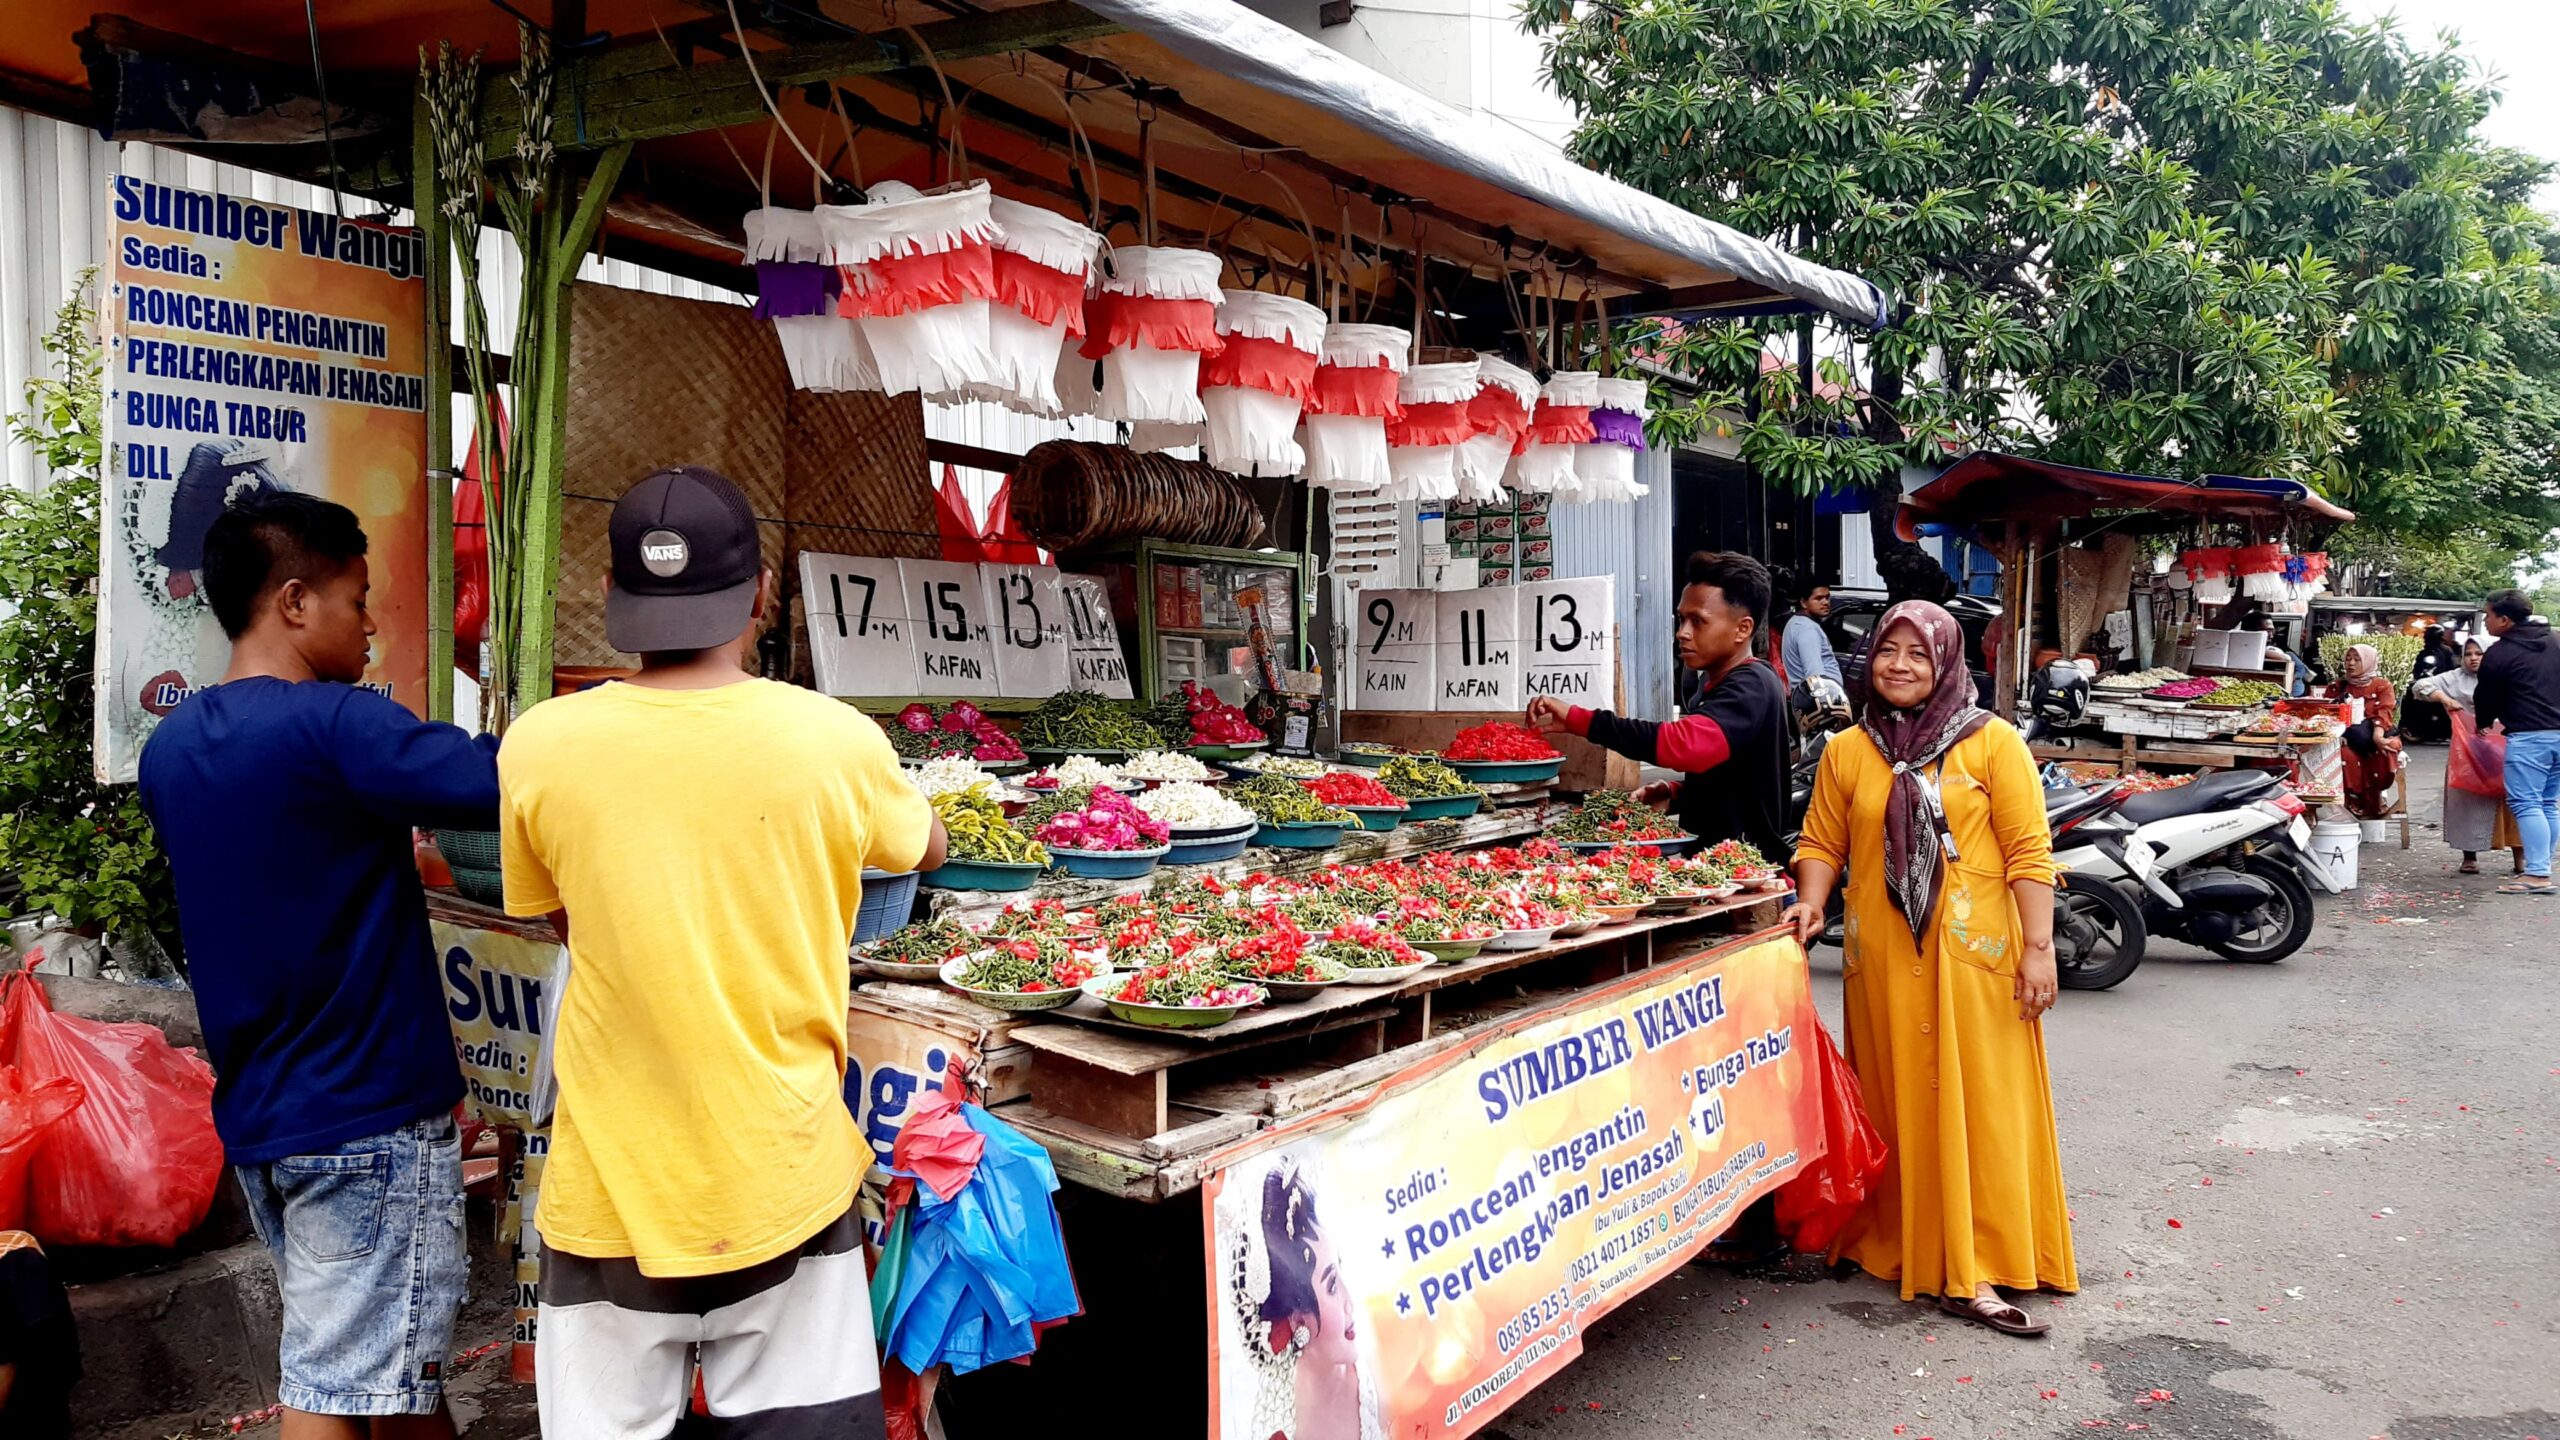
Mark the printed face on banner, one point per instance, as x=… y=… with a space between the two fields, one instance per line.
x=1565 y=641
x=1393 y=645
x=1443 y=1251
x=1478 y=650
x=1027 y=614
x=251 y=347
x=954 y=652
x=862 y=637
x=1101 y=667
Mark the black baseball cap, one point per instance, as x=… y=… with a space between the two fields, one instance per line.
x=685 y=563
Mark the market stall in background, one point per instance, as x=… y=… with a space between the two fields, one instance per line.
x=1261 y=907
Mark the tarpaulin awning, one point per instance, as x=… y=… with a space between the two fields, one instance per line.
x=1989 y=485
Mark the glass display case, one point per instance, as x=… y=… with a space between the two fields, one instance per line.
x=1182 y=612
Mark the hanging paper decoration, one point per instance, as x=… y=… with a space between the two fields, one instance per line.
x=1423 y=438
x=1353 y=399
x=919 y=273
x=2208 y=572
x=1151 y=319
x=2306 y=575
x=2261 y=570
x=796 y=289
x=1561 y=422
x=1041 y=266
x=1497 y=418
x=1259 y=381
x=1606 y=464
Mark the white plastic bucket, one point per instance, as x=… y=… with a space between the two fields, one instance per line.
x=2374 y=830
x=2336 y=844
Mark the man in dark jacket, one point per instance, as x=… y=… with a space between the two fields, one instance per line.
x=2520 y=692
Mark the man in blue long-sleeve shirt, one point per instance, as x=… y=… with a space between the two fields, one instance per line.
x=285 y=795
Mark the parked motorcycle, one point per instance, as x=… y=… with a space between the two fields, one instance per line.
x=2223 y=862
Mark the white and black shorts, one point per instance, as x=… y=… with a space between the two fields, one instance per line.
x=785 y=1347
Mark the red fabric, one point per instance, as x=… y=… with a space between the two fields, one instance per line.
x=1251 y=363
x=2259 y=559
x=471 y=539
x=138 y=1162
x=1578 y=720
x=1002 y=538
x=2474 y=762
x=1814 y=1207
x=960 y=539
x=937 y=1145
x=1561 y=425
x=1039 y=292
x=1496 y=411
x=903 y=284
x=1436 y=424
x=1116 y=322
x=1354 y=390
x=1690 y=744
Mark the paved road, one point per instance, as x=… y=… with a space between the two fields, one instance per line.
x=2313 y=1201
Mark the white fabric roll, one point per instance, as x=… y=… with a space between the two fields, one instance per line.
x=1479 y=466
x=1423 y=472
x=1346 y=452
x=1251 y=432
x=1144 y=383
x=1607 y=472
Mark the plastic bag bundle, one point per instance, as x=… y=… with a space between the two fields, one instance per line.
x=1258 y=383
x=1606 y=465
x=1042 y=265
x=984 y=1268
x=1497 y=417
x=1354 y=397
x=1814 y=1207
x=1152 y=317
x=27 y=1114
x=138 y=1161
x=918 y=279
x=1557 y=427
x=1431 y=423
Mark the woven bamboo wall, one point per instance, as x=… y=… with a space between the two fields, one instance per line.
x=655 y=380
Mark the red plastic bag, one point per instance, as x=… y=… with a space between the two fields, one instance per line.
x=138 y=1162
x=1814 y=1207
x=2473 y=761
x=26 y=1113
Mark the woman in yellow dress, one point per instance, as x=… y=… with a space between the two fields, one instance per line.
x=1934 y=809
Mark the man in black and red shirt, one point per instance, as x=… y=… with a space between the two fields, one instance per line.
x=1730 y=742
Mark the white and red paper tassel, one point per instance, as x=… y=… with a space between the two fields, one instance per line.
x=1043 y=263
x=1606 y=464
x=919 y=275
x=1560 y=423
x=823 y=350
x=1496 y=419
x=1353 y=399
x=1257 y=385
x=1423 y=440
x=1151 y=318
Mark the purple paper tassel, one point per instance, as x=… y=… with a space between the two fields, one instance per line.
x=786 y=289
x=1617 y=427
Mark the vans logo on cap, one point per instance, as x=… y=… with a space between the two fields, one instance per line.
x=663 y=553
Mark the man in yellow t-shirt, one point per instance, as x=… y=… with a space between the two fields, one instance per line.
x=700 y=835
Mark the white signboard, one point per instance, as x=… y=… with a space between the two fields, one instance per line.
x=948 y=602
x=1565 y=627
x=1100 y=666
x=861 y=638
x=1477 y=653
x=1028 y=614
x=1392 y=649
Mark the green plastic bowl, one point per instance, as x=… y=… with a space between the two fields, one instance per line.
x=1507 y=772
x=1373 y=759
x=1226 y=752
x=1449 y=952
x=1445 y=807
x=1164 y=1017
x=1299 y=836
x=1379 y=817
x=983 y=875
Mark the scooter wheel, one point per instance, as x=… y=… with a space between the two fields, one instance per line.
x=2278 y=928
x=2098 y=934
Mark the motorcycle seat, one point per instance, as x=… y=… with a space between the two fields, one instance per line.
x=2214 y=790
x=2061 y=802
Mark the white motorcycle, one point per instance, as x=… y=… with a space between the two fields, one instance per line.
x=2223 y=862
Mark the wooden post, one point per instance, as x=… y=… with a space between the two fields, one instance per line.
x=426 y=190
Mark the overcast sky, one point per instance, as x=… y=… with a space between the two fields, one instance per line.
x=2518 y=40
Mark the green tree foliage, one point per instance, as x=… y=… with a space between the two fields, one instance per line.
x=2197 y=236
x=79 y=849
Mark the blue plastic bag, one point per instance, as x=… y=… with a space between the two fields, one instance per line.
x=985 y=1268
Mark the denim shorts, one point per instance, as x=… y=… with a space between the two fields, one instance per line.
x=370 y=1257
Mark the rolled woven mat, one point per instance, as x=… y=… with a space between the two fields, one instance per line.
x=1075 y=495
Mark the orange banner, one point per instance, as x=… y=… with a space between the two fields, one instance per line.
x=251 y=346
x=1412 y=1263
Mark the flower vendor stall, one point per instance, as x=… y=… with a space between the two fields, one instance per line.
x=1252 y=922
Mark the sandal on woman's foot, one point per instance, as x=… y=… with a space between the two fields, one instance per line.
x=2521 y=888
x=1995 y=1314
x=2467 y=867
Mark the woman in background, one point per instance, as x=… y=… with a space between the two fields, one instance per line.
x=2373 y=750
x=2426 y=723
x=2472 y=823
x=1934 y=809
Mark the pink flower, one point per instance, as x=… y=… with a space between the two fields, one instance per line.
x=917 y=718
